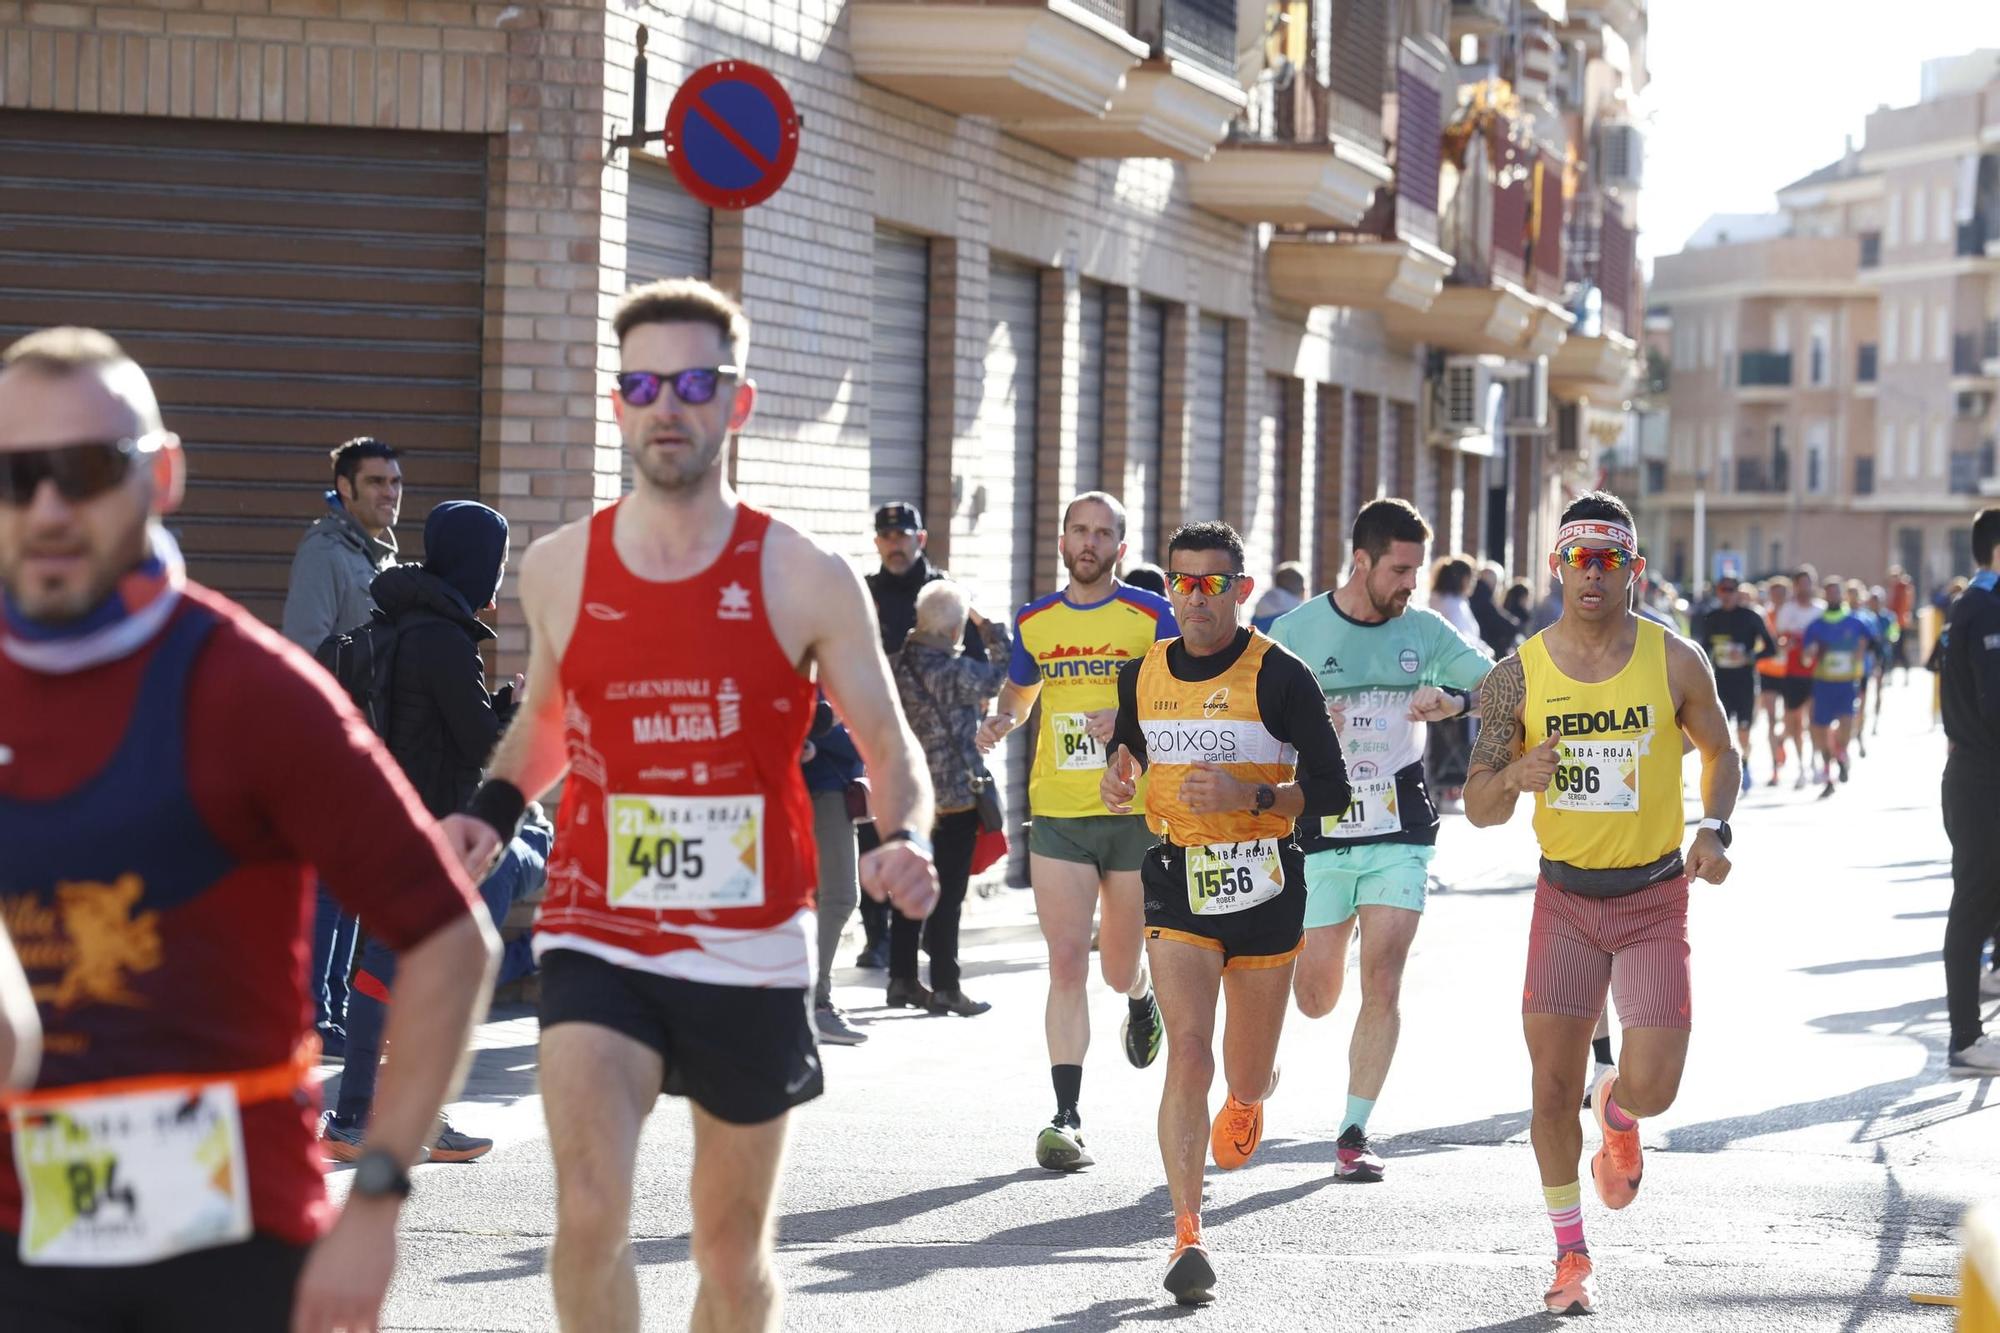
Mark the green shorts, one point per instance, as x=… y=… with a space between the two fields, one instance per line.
x=1340 y=881
x=1109 y=842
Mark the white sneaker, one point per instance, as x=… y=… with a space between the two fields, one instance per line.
x=1989 y=985
x=1597 y=1073
x=1979 y=1060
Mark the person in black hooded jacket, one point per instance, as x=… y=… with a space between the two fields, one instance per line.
x=443 y=723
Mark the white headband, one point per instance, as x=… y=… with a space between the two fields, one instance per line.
x=1597 y=529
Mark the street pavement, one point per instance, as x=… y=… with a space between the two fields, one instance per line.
x=1812 y=1175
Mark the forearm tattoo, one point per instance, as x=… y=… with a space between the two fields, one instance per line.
x=1500 y=696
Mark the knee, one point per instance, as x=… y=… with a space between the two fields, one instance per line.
x=1558 y=1091
x=1189 y=1061
x=1069 y=966
x=1315 y=997
x=732 y=1261
x=1642 y=1092
x=589 y=1235
x=1382 y=986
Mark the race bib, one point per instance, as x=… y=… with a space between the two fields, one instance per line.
x=132 y=1179
x=1729 y=654
x=1597 y=775
x=1076 y=748
x=1227 y=877
x=686 y=853
x=1836 y=665
x=1372 y=812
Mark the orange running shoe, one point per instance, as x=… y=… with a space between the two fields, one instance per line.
x=1190 y=1277
x=1575 y=1288
x=1618 y=1166
x=1238 y=1128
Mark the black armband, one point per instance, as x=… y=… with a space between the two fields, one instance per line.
x=500 y=803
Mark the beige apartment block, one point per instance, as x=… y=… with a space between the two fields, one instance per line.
x=1833 y=388
x=1216 y=256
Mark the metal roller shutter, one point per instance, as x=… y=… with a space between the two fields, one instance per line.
x=666 y=228
x=1207 y=446
x=1142 y=459
x=286 y=288
x=1265 y=484
x=898 y=368
x=1090 y=392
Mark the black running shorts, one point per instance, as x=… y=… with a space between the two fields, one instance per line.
x=1267 y=935
x=1796 y=691
x=744 y=1054
x=243 y=1288
x=1738 y=688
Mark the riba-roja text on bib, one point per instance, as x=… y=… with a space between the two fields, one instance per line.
x=686 y=853
x=1372 y=812
x=114 y=1181
x=1076 y=748
x=1230 y=877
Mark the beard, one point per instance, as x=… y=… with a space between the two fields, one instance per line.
x=1085 y=567
x=669 y=472
x=1392 y=606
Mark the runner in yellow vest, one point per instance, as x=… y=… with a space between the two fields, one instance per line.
x=1587 y=719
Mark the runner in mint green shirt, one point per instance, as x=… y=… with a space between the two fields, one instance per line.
x=1387 y=671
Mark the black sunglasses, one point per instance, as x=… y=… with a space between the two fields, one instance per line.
x=641 y=388
x=80 y=471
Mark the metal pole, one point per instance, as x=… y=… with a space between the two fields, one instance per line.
x=1700 y=527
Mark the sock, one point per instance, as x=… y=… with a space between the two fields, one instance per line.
x=1601 y=1048
x=1358 y=1109
x=1614 y=1115
x=1565 y=1204
x=1069 y=1087
x=1142 y=986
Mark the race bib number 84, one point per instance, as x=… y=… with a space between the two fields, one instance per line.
x=686 y=853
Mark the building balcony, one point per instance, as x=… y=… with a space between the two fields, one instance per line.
x=1972 y=469
x=1597 y=366
x=1330 y=184
x=1865 y=364
x=1989 y=351
x=1871 y=249
x=1359 y=271
x=1763 y=476
x=1179 y=103
x=1763 y=377
x=1496 y=318
x=1041 y=60
x=1477 y=18
x=1864 y=476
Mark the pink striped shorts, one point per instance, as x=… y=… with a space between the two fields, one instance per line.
x=1636 y=945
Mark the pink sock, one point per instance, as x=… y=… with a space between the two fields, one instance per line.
x=1565 y=1204
x=1615 y=1116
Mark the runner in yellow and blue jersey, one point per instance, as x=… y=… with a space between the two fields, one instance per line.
x=1068 y=648
x=1835 y=648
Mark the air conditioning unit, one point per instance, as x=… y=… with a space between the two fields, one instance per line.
x=1461 y=395
x=1528 y=395
x=1620 y=149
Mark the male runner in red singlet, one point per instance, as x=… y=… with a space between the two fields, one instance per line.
x=674 y=640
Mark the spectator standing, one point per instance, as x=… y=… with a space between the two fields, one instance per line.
x=1450 y=742
x=442 y=727
x=944 y=692
x=840 y=802
x=1149 y=577
x=1519 y=602
x=900 y=538
x=1499 y=628
x=327 y=594
x=1287 y=591
x=1547 y=611
x=1970 y=688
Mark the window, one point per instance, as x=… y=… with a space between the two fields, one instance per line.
x=1781 y=333
x=1913 y=449
x=1917 y=227
x=1885 y=452
x=1728 y=359
x=1708 y=342
x=1818 y=358
x=1889 y=331
x=1816 y=448
x=1945 y=216
x=1894 y=236
x=1941 y=332
x=1916 y=329
x=1939 y=464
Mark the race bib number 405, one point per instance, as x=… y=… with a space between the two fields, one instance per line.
x=686 y=853
x=1370 y=814
x=131 y=1179
x=1076 y=748
x=1230 y=877
x=1596 y=775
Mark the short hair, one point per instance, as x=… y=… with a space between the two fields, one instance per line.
x=941 y=607
x=58 y=353
x=1387 y=520
x=1212 y=535
x=1600 y=505
x=685 y=301
x=1291 y=576
x=1104 y=498
x=1807 y=572
x=1453 y=576
x=348 y=458
x=1149 y=577
x=1985 y=535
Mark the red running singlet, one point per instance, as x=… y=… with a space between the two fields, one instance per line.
x=684 y=846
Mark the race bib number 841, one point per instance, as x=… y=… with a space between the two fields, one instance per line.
x=686 y=853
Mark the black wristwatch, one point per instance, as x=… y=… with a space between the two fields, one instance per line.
x=1720 y=827
x=1267 y=796
x=377 y=1175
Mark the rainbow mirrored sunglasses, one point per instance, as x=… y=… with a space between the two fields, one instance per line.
x=1578 y=556
x=1210 y=585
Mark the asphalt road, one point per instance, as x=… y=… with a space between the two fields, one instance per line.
x=1811 y=1176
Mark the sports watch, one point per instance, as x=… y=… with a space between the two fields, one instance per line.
x=1720 y=827
x=1267 y=796
x=377 y=1175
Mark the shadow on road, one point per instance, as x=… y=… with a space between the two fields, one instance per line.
x=1870 y=964
x=1108 y=1316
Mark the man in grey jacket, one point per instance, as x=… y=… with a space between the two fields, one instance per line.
x=343 y=551
x=347 y=546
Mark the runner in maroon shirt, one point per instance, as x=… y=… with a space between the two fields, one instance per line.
x=172 y=776
x=673 y=642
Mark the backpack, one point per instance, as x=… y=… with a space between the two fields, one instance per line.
x=363 y=660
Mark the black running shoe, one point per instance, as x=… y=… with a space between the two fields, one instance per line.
x=1059 y=1147
x=1143 y=1034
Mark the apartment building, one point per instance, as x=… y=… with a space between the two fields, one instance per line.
x=1833 y=387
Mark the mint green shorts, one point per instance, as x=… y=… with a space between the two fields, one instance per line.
x=1341 y=881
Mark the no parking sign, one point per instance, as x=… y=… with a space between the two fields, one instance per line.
x=732 y=134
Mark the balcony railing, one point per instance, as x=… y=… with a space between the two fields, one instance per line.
x=1969 y=467
x=1764 y=369
x=1871 y=249
x=1201 y=32
x=1760 y=476
x=1965 y=354
x=1656 y=475
x=1972 y=238
x=1991 y=348
x=1864 y=476
x=1864 y=364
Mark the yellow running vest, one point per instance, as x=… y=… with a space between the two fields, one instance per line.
x=1209 y=722
x=1616 y=799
